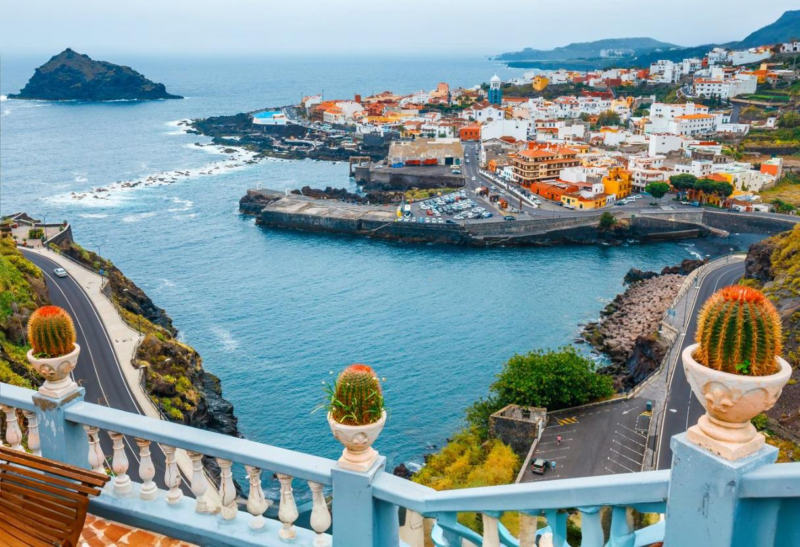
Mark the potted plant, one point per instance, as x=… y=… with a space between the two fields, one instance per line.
x=735 y=369
x=356 y=415
x=53 y=353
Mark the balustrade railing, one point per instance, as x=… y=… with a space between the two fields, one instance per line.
x=366 y=505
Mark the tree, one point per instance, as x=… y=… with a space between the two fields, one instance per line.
x=789 y=120
x=552 y=379
x=609 y=117
x=683 y=182
x=657 y=189
x=607 y=221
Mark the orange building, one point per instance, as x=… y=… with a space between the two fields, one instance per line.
x=552 y=191
x=542 y=163
x=470 y=133
x=618 y=182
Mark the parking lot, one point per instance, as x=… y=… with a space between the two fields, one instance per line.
x=601 y=440
x=456 y=207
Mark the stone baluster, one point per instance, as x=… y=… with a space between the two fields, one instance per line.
x=96 y=456
x=256 y=502
x=200 y=484
x=287 y=512
x=320 y=515
x=13 y=431
x=122 y=482
x=591 y=527
x=528 y=525
x=491 y=531
x=558 y=524
x=147 y=471
x=34 y=441
x=227 y=490
x=172 y=478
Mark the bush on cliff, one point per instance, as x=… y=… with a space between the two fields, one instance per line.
x=469 y=462
x=551 y=379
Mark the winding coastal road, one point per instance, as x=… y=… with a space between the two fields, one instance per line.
x=682 y=408
x=98 y=371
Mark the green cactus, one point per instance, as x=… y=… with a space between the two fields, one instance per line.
x=739 y=332
x=51 y=332
x=356 y=398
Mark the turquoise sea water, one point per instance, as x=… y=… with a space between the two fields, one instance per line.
x=273 y=312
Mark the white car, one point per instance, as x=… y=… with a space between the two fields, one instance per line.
x=60 y=272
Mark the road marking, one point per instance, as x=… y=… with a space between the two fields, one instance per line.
x=551 y=451
x=611 y=470
x=567 y=421
x=629 y=439
x=640 y=454
x=621 y=465
x=633 y=431
x=624 y=456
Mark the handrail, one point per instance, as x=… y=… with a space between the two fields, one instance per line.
x=621 y=490
x=771 y=481
x=242 y=451
x=18 y=397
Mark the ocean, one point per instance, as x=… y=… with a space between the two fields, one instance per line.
x=273 y=313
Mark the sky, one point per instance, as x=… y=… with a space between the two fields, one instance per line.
x=366 y=27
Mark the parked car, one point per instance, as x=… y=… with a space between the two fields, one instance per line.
x=509 y=217
x=539 y=466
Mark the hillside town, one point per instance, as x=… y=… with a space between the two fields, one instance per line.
x=581 y=140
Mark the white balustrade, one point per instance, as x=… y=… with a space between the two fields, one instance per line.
x=200 y=485
x=122 y=482
x=491 y=532
x=13 y=431
x=320 y=515
x=287 y=512
x=172 y=478
x=34 y=441
x=256 y=502
x=147 y=471
x=227 y=490
x=96 y=456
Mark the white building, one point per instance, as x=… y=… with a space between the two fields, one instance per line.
x=698 y=168
x=646 y=169
x=749 y=56
x=717 y=55
x=664 y=143
x=790 y=47
x=665 y=72
x=483 y=112
x=518 y=129
x=740 y=84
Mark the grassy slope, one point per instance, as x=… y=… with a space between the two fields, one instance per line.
x=22 y=290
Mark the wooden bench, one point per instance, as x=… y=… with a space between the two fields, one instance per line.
x=43 y=502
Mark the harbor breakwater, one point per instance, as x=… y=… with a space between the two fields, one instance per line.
x=278 y=210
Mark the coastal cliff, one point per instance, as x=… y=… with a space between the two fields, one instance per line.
x=71 y=76
x=773 y=264
x=175 y=381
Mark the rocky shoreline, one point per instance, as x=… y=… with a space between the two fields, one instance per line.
x=292 y=141
x=627 y=332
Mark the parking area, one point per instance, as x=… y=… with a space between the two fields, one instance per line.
x=456 y=207
x=601 y=440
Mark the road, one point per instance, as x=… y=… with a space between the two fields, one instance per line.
x=98 y=371
x=682 y=408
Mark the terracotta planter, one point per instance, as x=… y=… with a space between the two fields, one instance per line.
x=56 y=372
x=731 y=401
x=358 y=454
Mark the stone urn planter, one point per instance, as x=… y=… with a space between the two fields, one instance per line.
x=56 y=372
x=358 y=454
x=731 y=401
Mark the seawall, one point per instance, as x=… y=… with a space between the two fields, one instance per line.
x=278 y=210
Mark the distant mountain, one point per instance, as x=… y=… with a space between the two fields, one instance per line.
x=590 y=50
x=71 y=76
x=646 y=50
x=785 y=29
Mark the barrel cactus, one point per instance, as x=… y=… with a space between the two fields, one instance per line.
x=51 y=332
x=739 y=332
x=356 y=398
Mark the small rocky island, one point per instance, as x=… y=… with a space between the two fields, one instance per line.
x=71 y=76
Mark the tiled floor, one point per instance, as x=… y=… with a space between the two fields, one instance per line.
x=102 y=533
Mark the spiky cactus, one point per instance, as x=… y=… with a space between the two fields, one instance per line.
x=739 y=331
x=51 y=332
x=356 y=399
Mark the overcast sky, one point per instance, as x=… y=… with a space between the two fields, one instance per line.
x=472 y=27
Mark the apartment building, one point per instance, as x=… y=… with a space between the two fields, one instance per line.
x=542 y=163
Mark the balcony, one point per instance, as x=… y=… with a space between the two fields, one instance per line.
x=704 y=500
